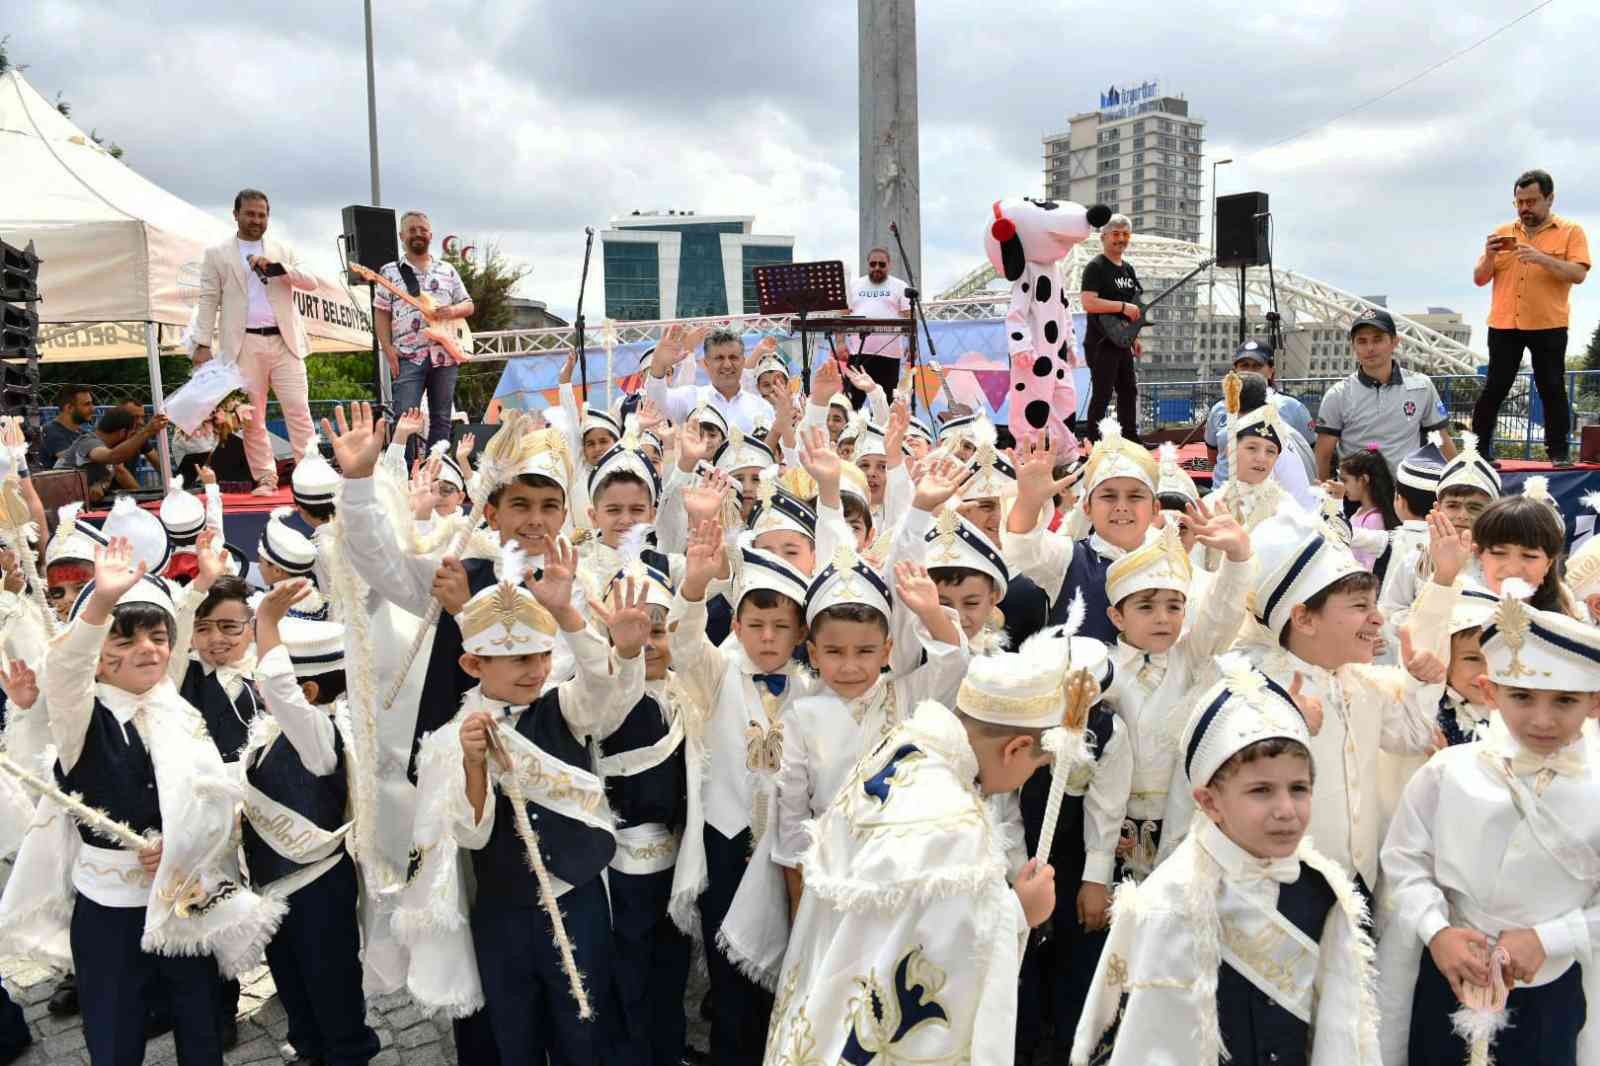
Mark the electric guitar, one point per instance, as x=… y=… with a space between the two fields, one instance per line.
x=451 y=334
x=954 y=408
x=1123 y=333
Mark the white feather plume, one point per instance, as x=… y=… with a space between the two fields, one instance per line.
x=1110 y=430
x=1536 y=487
x=313 y=448
x=983 y=431
x=1469 y=441
x=278 y=514
x=67 y=516
x=511 y=564
x=1436 y=438
x=1516 y=589
x=631 y=545
x=1591 y=500
x=1167 y=453
x=176 y=486
x=123 y=507
x=438 y=449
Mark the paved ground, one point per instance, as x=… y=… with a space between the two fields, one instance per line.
x=408 y=1037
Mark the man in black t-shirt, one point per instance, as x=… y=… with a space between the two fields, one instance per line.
x=75 y=419
x=1109 y=288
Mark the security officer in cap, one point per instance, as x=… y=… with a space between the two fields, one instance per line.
x=1253 y=356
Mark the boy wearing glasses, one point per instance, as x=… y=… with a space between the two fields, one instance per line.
x=877 y=294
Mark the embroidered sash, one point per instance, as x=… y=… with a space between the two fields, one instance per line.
x=557 y=785
x=638 y=760
x=287 y=831
x=1269 y=951
x=645 y=849
x=112 y=877
x=1555 y=836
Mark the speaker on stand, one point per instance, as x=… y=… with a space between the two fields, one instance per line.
x=371 y=238
x=1242 y=241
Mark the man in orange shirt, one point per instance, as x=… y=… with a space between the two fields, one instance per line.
x=1533 y=262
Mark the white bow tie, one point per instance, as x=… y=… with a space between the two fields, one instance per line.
x=1283 y=871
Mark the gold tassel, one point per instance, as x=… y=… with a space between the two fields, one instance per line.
x=1082 y=691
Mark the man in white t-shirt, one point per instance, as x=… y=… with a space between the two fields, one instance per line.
x=878 y=294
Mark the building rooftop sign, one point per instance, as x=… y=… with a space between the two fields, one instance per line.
x=1120 y=101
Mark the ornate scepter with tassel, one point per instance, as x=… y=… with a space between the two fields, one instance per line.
x=1483 y=1011
x=1232 y=391
x=96 y=821
x=511 y=784
x=1081 y=690
x=19 y=521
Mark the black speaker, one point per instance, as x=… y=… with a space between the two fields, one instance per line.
x=1242 y=230
x=371 y=237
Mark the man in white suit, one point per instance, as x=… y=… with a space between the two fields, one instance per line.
x=253 y=280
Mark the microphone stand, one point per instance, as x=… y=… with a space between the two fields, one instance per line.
x=578 y=342
x=917 y=316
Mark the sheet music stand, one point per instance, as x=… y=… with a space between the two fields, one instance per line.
x=802 y=289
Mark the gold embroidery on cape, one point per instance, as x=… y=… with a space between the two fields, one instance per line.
x=277 y=828
x=877 y=1014
x=1260 y=952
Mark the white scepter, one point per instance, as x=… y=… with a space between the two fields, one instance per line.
x=511 y=785
x=1082 y=690
x=608 y=341
x=97 y=821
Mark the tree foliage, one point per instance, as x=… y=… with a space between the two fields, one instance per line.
x=489 y=278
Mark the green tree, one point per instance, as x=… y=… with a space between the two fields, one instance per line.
x=1590 y=360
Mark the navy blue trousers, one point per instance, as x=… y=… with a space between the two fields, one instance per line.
x=740 y=1008
x=13 y=1027
x=529 y=1001
x=315 y=960
x=1545 y=1022
x=652 y=971
x=475 y=1040
x=116 y=981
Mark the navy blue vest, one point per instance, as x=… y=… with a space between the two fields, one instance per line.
x=1449 y=726
x=1026 y=609
x=1066 y=849
x=659 y=794
x=227 y=721
x=282 y=777
x=115 y=775
x=573 y=851
x=444 y=682
x=1255 y=1029
x=1087 y=574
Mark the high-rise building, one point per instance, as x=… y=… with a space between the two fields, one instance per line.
x=677 y=264
x=1139 y=154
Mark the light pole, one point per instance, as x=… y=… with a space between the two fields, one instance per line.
x=1211 y=277
x=372 y=112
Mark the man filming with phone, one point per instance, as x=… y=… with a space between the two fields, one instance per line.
x=1111 y=287
x=251 y=280
x=1533 y=262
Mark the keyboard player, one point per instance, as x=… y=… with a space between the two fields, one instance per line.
x=878 y=294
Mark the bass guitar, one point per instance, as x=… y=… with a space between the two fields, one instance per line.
x=1122 y=332
x=451 y=334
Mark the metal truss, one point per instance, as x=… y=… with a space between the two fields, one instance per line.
x=981 y=295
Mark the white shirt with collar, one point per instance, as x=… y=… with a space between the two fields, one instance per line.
x=742 y=409
x=260 y=314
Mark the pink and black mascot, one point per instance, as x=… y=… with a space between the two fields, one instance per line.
x=1026 y=241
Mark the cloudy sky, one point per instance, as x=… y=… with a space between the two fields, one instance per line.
x=521 y=122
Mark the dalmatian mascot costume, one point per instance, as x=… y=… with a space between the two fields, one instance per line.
x=1026 y=241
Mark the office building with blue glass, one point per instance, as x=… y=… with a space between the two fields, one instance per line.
x=683 y=265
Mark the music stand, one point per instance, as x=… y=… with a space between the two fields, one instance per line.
x=802 y=289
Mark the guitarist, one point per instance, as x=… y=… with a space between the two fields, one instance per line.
x=415 y=362
x=1110 y=287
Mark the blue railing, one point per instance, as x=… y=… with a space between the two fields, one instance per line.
x=1519 y=430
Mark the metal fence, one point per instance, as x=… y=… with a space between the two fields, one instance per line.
x=1518 y=432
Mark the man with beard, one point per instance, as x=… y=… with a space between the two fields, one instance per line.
x=251 y=279
x=878 y=294
x=1534 y=262
x=1110 y=287
x=416 y=363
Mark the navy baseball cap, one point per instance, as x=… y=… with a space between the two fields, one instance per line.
x=1260 y=351
x=1374 y=316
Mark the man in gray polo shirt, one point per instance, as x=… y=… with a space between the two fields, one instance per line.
x=1254 y=357
x=1378 y=404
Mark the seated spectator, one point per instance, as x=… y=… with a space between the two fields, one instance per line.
x=74 y=420
x=114 y=441
x=130 y=475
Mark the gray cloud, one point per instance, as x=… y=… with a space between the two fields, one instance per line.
x=523 y=122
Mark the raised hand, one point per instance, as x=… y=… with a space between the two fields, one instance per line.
x=705 y=557
x=1310 y=706
x=408 y=425
x=939 y=479
x=553 y=590
x=279 y=598
x=825 y=382
x=764 y=347
x=704 y=501
x=628 y=620
x=357 y=441
x=821 y=460
x=650 y=416
x=1447 y=549
x=1334 y=488
x=567 y=365
x=894 y=435
x=670 y=350
x=1219 y=530
x=693 y=446
x=20 y=684
x=464 y=449
x=916 y=589
x=860 y=379
x=207 y=475
x=1036 y=481
x=115 y=571
x=208 y=558
x=423 y=498
x=1426 y=666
